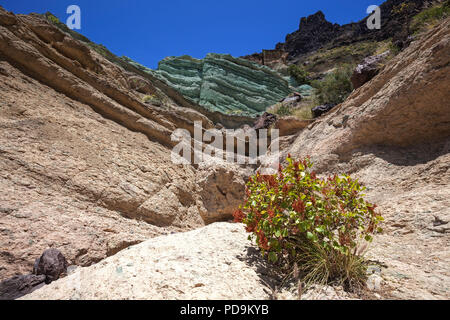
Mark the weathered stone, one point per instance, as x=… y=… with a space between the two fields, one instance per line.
x=7 y=18
x=393 y=135
x=223 y=83
x=374 y=282
x=222 y=189
x=56 y=191
x=19 y=286
x=214 y=262
x=265 y=121
x=52 y=264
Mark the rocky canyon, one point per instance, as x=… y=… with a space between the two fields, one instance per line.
x=86 y=167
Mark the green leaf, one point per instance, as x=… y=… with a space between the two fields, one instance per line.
x=309 y=235
x=273 y=257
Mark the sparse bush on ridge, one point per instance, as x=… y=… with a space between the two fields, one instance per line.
x=317 y=225
x=430 y=16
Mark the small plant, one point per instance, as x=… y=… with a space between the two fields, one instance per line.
x=152 y=99
x=300 y=75
x=315 y=224
x=336 y=86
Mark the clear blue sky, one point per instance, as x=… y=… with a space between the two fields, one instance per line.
x=149 y=30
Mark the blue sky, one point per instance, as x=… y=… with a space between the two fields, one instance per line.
x=148 y=31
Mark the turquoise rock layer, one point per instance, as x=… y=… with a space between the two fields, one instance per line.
x=224 y=83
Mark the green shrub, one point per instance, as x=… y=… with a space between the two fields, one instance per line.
x=282 y=109
x=430 y=16
x=336 y=86
x=316 y=224
x=300 y=75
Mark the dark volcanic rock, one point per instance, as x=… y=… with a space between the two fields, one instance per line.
x=19 y=286
x=368 y=69
x=320 y=110
x=265 y=121
x=51 y=264
x=316 y=32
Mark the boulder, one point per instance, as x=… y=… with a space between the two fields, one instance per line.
x=368 y=69
x=19 y=286
x=51 y=264
x=222 y=189
x=316 y=32
x=320 y=110
x=292 y=99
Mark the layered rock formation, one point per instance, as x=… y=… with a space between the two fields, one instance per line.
x=223 y=83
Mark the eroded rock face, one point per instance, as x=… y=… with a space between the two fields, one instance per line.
x=223 y=83
x=222 y=190
x=291 y=125
x=85 y=165
x=316 y=32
